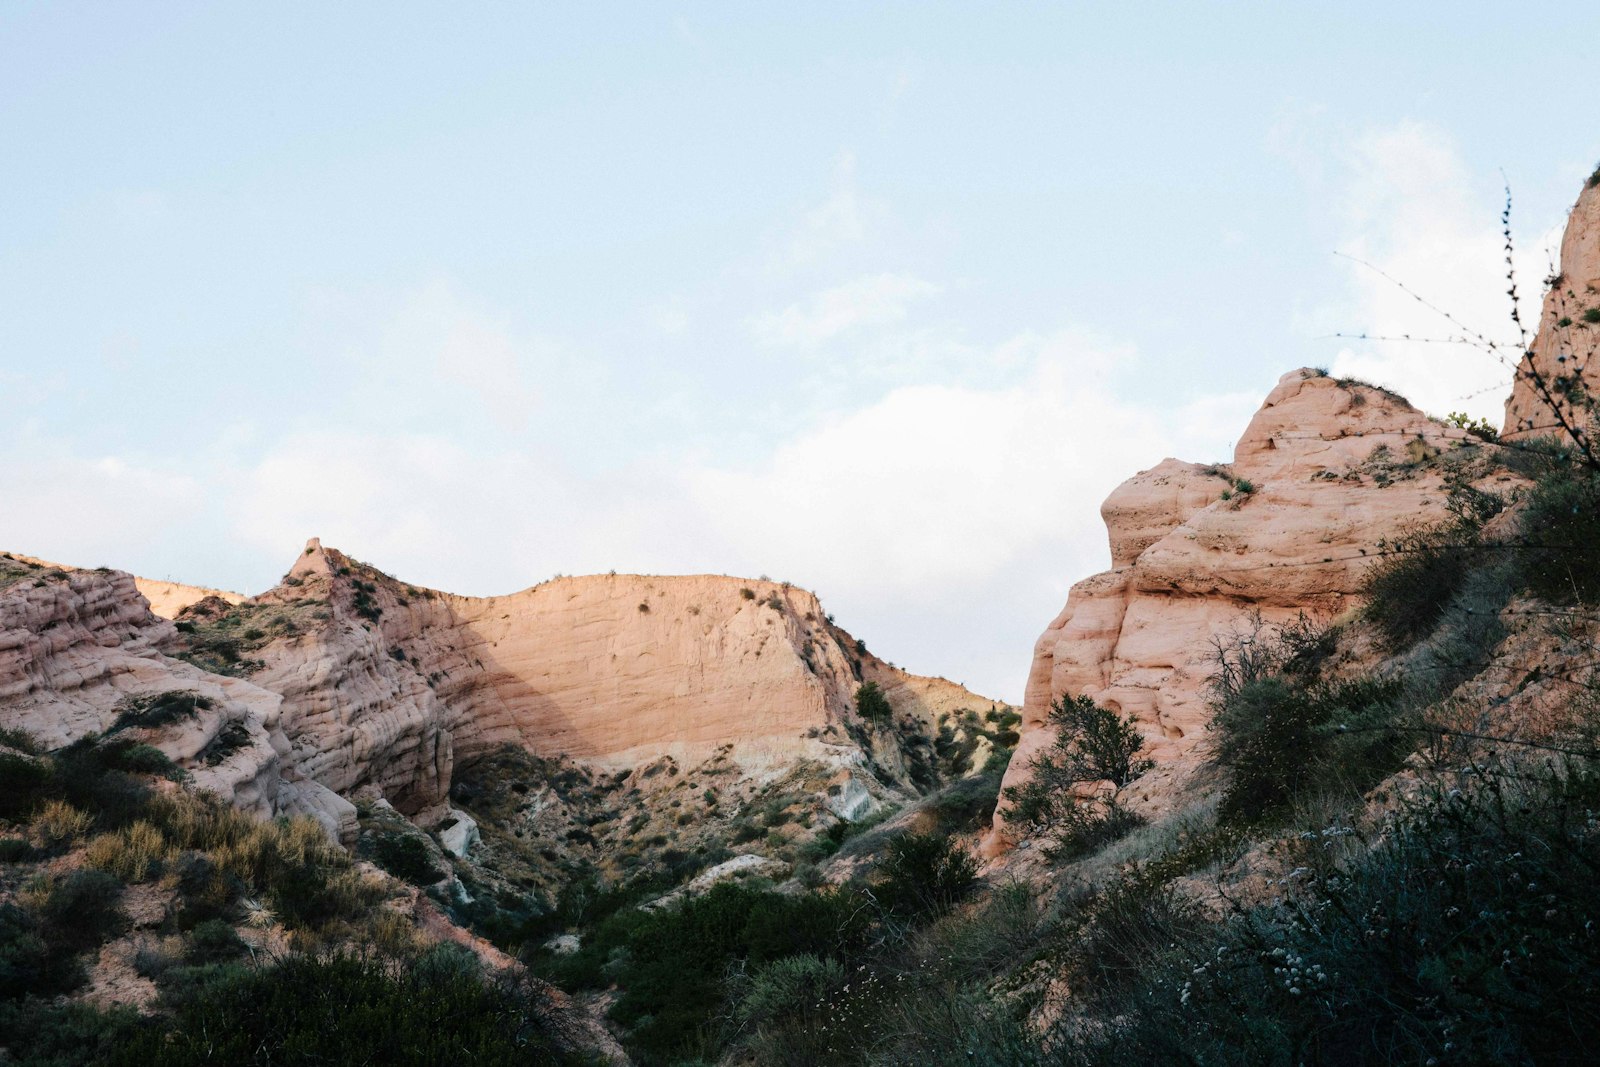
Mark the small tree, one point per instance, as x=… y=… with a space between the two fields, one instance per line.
x=924 y=876
x=872 y=704
x=1092 y=745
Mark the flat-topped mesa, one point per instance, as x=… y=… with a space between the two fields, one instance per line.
x=1326 y=469
x=1568 y=338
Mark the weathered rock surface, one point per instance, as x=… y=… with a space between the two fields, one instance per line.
x=342 y=678
x=1324 y=472
x=1567 y=341
x=75 y=645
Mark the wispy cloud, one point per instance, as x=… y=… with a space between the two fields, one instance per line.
x=1410 y=206
x=874 y=300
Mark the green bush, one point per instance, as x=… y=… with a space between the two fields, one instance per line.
x=86 y=775
x=83 y=910
x=340 y=1009
x=790 y=987
x=28 y=965
x=160 y=709
x=1462 y=932
x=923 y=876
x=214 y=941
x=670 y=965
x=406 y=856
x=39 y=1034
x=233 y=736
x=26 y=782
x=872 y=704
x=1418 y=574
x=1561 y=538
x=1276 y=736
x=1092 y=744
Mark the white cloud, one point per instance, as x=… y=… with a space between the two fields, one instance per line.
x=836 y=222
x=874 y=300
x=89 y=511
x=942 y=522
x=1412 y=208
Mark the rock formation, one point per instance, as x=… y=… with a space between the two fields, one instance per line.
x=167 y=599
x=1325 y=471
x=342 y=678
x=1569 y=329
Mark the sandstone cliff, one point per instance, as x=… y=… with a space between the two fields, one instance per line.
x=1569 y=330
x=342 y=678
x=1324 y=472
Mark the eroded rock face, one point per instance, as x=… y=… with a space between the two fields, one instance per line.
x=1566 y=341
x=342 y=678
x=75 y=646
x=1325 y=470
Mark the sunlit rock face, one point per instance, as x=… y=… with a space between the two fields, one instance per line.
x=1325 y=470
x=1567 y=340
x=341 y=678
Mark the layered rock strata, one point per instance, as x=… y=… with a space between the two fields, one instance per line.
x=342 y=678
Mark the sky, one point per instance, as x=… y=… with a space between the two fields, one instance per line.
x=880 y=299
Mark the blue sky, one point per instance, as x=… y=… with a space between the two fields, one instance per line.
x=881 y=299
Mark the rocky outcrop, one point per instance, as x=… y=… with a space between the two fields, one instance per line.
x=1324 y=472
x=77 y=646
x=1568 y=337
x=342 y=678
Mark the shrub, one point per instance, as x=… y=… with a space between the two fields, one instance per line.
x=27 y=964
x=1561 y=536
x=86 y=775
x=788 y=987
x=20 y=740
x=923 y=876
x=360 y=1012
x=140 y=759
x=133 y=854
x=670 y=964
x=1092 y=745
x=1274 y=736
x=82 y=910
x=1458 y=934
x=1101 y=745
x=872 y=704
x=27 y=781
x=61 y=1035
x=58 y=823
x=160 y=709
x=214 y=941
x=406 y=856
x=233 y=736
x=1418 y=574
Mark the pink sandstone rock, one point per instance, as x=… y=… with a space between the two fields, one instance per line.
x=1556 y=347
x=1324 y=471
x=356 y=680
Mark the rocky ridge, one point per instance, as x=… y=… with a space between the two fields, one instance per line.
x=342 y=679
